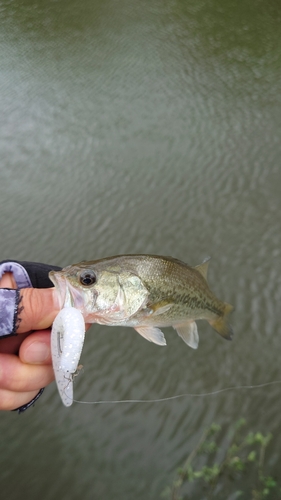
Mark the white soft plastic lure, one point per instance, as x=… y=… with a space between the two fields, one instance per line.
x=67 y=339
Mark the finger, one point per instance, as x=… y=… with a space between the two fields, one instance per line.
x=37 y=309
x=36 y=348
x=21 y=377
x=8 y=281
x=12 y=400
x=11 y=345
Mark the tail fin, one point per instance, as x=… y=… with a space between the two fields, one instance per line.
x=221 y=324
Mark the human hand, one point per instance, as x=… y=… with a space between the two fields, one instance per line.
x=25 y=359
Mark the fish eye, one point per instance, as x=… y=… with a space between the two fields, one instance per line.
x=87 y=277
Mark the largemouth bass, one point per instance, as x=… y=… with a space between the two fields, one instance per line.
x=145 y=292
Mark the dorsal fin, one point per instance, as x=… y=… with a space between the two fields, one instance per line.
x=203 y=268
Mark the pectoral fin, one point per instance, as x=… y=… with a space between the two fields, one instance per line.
x=157 y=309
x=189 y=333
x=152 y=334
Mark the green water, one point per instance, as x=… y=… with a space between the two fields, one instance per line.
x=144 y=127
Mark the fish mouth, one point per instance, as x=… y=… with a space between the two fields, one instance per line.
x=60 y=284
x=69 y=295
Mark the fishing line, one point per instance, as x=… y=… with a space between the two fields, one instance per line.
x=178 y=396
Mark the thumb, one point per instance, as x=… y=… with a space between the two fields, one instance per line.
x=37 y=309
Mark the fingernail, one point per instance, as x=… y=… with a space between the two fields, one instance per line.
x=37 y=352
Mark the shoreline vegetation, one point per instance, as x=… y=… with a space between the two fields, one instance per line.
x=238 y=473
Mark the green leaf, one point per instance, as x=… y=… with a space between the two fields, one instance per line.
x=267 y=438
x=259 y=438
x=214 y=428
x=250 y=439
x=180 y=470
x=237 y=464
x=233 y=449
x=209 y=447
x=240 y=423
x=210 y=473
x=198 y=474
x=269 y=482
x=252 y=456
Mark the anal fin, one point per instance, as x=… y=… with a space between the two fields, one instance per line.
x=189 y=333
x=152 y=334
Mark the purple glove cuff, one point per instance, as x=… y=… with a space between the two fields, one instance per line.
x=9 y=302
x=20 y=275
x=9 y=298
